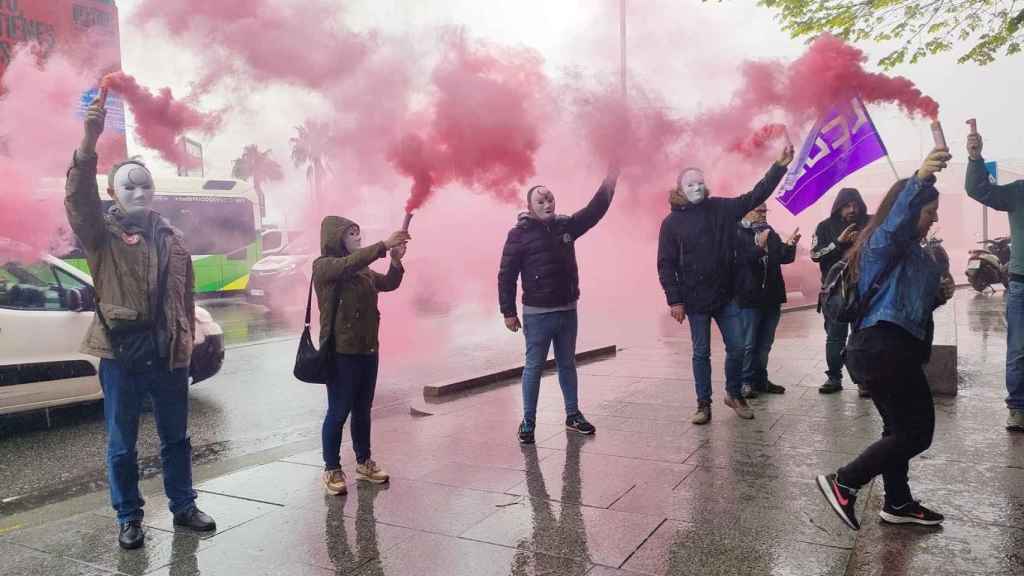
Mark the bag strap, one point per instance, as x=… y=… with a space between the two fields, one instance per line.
x=309 y=307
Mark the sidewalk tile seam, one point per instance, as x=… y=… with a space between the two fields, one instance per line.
x=642 y=544
x=235 y=496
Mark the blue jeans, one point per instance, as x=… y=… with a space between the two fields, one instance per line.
x=835 y=346
x=350 y=391
x=540 y=331
x=759 y=326
x=123 y=394
x=1015 y=345
x=729 y=320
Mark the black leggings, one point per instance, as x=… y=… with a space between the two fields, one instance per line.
x=889 y=362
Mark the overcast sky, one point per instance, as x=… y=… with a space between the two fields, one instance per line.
x=705 y=42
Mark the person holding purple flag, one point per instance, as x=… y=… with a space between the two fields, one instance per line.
x=833 y=237
x=695 y=268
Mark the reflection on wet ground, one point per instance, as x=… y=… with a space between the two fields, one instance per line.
x=648 y=494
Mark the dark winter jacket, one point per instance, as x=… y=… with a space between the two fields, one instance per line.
x=826 y=249
x=544 y=255
x=758 y=273
x=345 y=281
x=695 y=246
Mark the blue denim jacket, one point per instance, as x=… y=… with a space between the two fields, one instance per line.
x=908 y=296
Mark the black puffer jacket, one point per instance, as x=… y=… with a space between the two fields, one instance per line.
x=826 y=249
x=695 y=246
x=758 y=274
x=544 y=254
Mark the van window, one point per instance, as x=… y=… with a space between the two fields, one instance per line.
x=33 y=286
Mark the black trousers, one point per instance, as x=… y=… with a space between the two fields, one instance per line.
x=890 y=363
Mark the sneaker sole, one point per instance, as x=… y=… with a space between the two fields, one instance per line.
x=826 y=490
x=335 y=492
x=1015 y=428
x=578 y=431
x=372 y=480
x=893 y=519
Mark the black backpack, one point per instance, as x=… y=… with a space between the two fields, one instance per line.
x=840 y=301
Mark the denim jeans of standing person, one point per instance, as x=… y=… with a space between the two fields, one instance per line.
x=350 y=391
x=123 y=397
x=835 y=344
x=541 y=331
x=1015 y=345
x=889 y=362
x=730 y=323
x=759 y=325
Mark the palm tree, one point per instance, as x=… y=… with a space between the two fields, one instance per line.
x=309 y=147
x=258 y=166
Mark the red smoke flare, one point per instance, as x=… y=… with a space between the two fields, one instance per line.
x=161 y=121
x=484 y=125
x=755 y=144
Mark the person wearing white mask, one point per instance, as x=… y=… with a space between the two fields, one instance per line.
x=142 y=331
x=695 y=267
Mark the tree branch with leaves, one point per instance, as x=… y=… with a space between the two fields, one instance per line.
x=991 y=28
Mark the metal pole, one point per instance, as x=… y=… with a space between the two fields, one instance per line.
x=622 y=45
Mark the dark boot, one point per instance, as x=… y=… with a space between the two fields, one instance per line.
x=131 y=535
x=195 y=519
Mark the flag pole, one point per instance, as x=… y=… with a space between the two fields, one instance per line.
x=884 y=147
x=892 y=165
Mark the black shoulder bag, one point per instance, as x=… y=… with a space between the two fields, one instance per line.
x=312 y=365
x=134 y=343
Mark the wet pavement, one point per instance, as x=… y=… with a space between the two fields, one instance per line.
x=648 y=494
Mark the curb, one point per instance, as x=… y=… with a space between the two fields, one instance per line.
x=445 y=389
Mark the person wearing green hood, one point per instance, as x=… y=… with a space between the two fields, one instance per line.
x=346 y=291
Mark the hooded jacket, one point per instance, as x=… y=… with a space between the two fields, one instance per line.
x=344 y=281
x=127 y=263
x=826 y=249
x=695 y=246
x=758 y=274
x=544 y=255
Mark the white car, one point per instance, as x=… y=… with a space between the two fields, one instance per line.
x=46 y=308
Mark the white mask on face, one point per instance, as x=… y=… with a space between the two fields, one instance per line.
x=542 y=204
x=353 y=239
x=133 y=188
x=692 y=184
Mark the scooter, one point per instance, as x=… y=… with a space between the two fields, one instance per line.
x=989 y=265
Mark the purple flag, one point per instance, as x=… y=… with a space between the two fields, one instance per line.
x=843 y=141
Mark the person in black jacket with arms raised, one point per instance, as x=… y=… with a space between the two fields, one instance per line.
x=540 y=249
x=695 y=267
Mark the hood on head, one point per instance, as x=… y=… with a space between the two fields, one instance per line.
x=845 y=196
x=332 y=233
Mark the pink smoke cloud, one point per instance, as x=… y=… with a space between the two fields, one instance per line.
x=39 y=131
x=483 y=127
x=161 y=121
